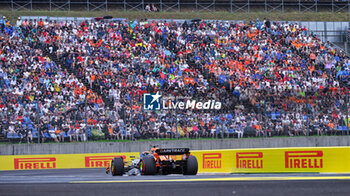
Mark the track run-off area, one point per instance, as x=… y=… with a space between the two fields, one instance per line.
x=96 y=182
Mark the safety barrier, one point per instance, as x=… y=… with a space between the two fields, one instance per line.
x=258 y=160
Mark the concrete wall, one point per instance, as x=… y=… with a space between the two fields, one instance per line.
x=104 y=147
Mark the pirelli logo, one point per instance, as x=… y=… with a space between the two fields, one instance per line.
x=35 y=163
x=303 y=159
x=249 y=160
x=99 y=161
x=211 y=160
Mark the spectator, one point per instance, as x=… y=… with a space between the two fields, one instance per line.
x=72 y=133
x=240 y=130
x=52 y=133
x=154 y=8
x=148 y=8
x=60 y=134
x=106 y=131
x=22 y=134
x=268 y=72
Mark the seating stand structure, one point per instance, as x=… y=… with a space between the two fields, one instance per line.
x=180 y=5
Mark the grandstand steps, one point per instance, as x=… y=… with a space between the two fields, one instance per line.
x=208 y=77
x=213 y=81
x=83 y=80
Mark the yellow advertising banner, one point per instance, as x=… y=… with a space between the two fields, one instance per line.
x=270 y=160
x=258 y=160
x=61 y=161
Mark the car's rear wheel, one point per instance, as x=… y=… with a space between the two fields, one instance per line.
x=117 y=166
x=148 y=166
x=192 y=166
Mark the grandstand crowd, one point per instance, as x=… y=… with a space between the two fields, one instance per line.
x=74 y=81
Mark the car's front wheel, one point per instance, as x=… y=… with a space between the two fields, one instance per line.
x=117 y=166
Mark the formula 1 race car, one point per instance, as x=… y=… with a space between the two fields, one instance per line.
x=157 y=161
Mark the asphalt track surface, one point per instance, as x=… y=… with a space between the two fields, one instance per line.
x=96 y=182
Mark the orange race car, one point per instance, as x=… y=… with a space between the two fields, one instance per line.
x=157 y=161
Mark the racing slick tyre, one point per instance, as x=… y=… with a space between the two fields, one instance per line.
x=192 y=166
x=117 y=166
x=148 y=166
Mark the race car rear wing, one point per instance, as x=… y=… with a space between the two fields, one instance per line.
x=172 y=151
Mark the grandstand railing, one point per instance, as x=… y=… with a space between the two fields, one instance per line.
x=180 y=5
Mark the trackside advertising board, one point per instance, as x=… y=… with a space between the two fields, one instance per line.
x=269 y=160
x=61 y=161
x=258 y=160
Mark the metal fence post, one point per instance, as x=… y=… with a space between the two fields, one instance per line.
x=316 y=4
x=161 y=6
x=248 y=6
